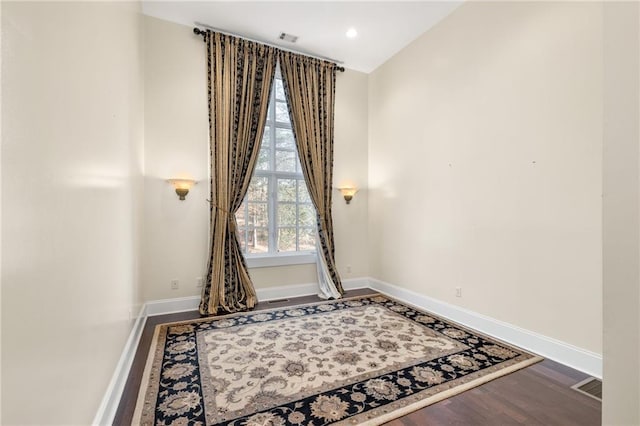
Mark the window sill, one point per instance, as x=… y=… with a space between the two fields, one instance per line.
x=265 y=261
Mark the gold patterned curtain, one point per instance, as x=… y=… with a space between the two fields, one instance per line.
x=240 y=76
x=309 y=86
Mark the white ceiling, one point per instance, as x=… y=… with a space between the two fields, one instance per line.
x=384 y=28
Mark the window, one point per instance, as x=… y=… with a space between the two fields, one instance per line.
x=277 y=217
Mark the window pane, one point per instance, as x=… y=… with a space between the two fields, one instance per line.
x=266 y=137
x=263 y=159
x=286 y=214
x=303 y=194
x=258 y=189
x=285 y=161
x=258 y=214
x=286 y=239
x=307 y=239
x=282 y=112
x=307 y=215
x=270 y=110
x=279 y=90
x=259 y=240
x=284 y=138
x=250 y=235
x=286 y=190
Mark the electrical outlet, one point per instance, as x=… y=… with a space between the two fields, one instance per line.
x=458 y=291
x=199 y=282
x=175 y=284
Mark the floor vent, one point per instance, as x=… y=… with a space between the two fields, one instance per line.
x=278 y=301
x=591 y=387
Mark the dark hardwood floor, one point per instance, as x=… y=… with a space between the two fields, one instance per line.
x=536 y=395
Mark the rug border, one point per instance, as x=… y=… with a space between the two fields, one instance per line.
x=534 y=358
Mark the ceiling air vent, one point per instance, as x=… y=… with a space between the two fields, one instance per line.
x=591 y=387
x=288 y=37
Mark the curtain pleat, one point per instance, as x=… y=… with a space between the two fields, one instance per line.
x=309 y=86
x=240 y=75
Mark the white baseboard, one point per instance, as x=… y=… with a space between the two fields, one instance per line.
x=564 y=353
x=284 y=292
x=190 y=303
x=109 y=404
x=356 y=283
x=172 y=306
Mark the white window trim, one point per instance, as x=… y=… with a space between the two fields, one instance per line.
x=285 y=259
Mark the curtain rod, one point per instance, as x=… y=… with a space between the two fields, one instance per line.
x=198 y=31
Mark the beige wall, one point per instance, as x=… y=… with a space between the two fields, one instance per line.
x=176 y=128
x=351 y=168
x=176 y=142
x=621 y=215
x=71 y=177
x=485 y=151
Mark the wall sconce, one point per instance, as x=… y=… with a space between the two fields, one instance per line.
x=348 y=192
x=182 y=186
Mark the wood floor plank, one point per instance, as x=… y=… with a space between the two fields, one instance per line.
x=537 y=395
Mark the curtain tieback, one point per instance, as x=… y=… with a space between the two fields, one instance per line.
x=230 y=216
x=218 y=208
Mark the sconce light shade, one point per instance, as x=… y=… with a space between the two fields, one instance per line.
x=182 y=186
x=348 y=192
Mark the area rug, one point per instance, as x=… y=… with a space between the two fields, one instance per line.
x=363 y=360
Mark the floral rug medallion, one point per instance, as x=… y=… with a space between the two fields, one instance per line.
x=364 y=360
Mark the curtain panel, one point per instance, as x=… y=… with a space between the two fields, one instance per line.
x=309 y=86
x=240 y=75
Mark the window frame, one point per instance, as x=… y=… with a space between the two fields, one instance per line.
x=275 y=258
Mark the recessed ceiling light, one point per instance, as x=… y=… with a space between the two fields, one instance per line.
x=352 y=33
